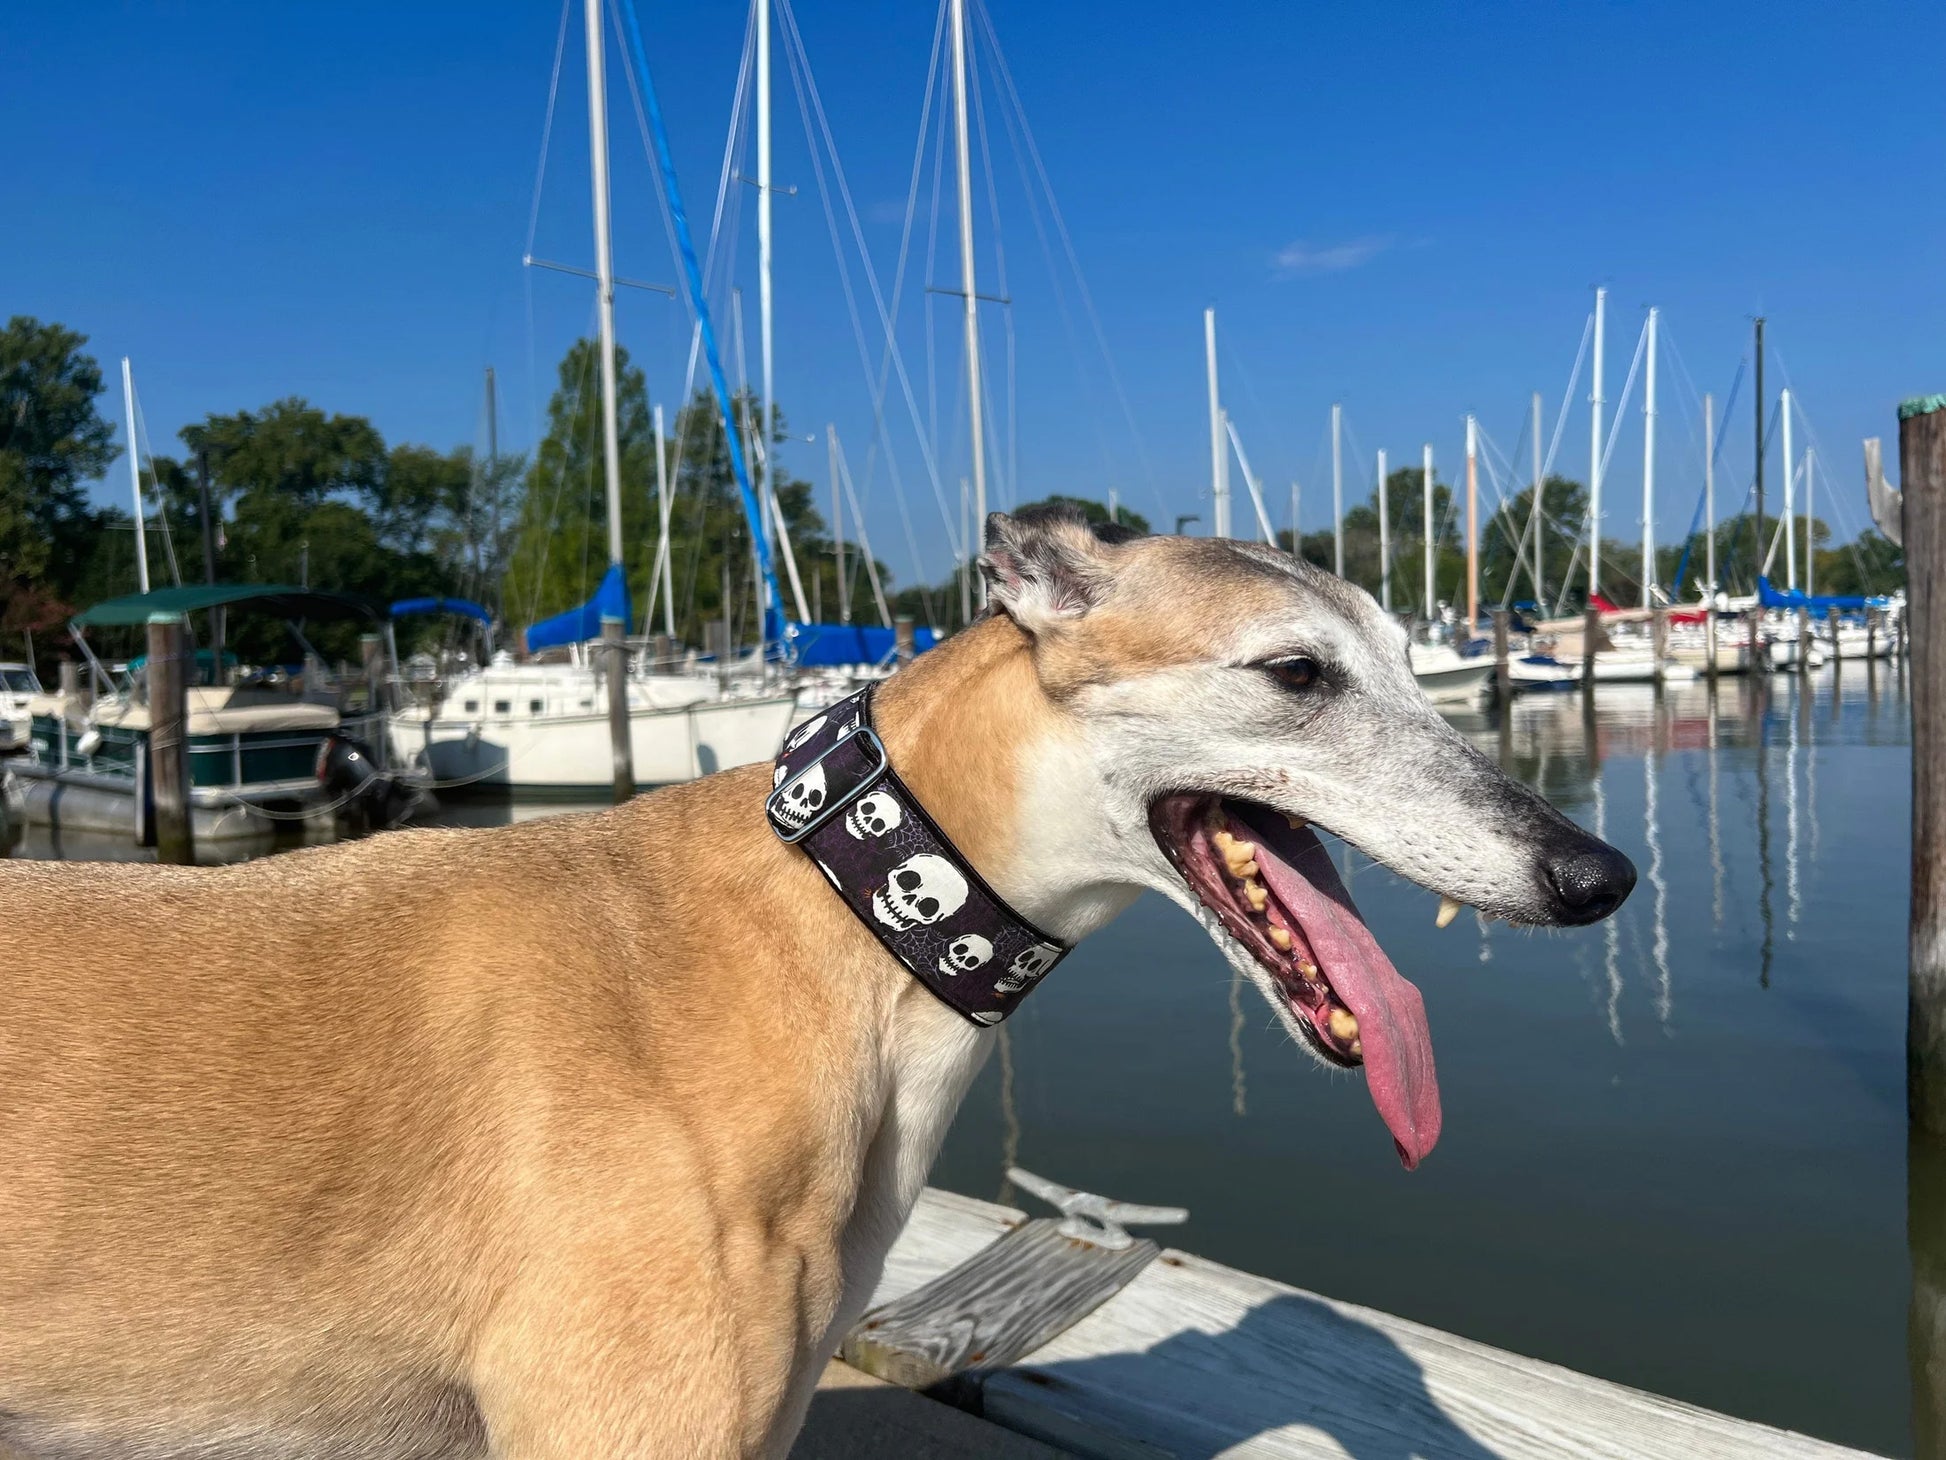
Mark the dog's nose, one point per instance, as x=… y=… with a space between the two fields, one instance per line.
x=1590 y=881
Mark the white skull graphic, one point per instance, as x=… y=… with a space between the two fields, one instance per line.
x=1027 y=967
x=921 y=890
x=874 y=815
x=777 y=779
x=804 y=732
x=802 y=799
x=964 y=954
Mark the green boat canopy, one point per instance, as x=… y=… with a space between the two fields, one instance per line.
x=274 y=598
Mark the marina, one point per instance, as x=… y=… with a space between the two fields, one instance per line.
x=1678 y=1186
x=1629 y=1110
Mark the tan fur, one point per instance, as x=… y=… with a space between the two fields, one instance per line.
x=542 y=1137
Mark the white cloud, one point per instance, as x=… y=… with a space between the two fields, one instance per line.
x=1303 y=257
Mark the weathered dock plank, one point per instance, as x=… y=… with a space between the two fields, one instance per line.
x=1194 y=1359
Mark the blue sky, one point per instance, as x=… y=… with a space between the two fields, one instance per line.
x=1401 y=208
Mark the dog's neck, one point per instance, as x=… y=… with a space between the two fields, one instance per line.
x=1006 y=773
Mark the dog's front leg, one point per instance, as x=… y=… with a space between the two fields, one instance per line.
x=643 y=1350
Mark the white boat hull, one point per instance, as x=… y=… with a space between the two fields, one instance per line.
x=563 y=754
x=1449 y=678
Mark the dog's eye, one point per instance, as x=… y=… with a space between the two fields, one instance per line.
x=1296 y=672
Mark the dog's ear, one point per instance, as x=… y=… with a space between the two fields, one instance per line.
x=1047 y=565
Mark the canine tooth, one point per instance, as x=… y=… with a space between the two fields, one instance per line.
x=1344 y=1024
x=1449 y=909
x=1256 y=895
x=1358 y=1047
x=1280 y=938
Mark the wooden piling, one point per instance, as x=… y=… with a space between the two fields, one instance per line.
x=1922 y=465
x=1831 y=621
x=1590 y=637
x=1804 y=639
x=623 y=752
x=1503 y=678
x=1871 y=635
x=1659 y=640
x=168 y=685
x=1710 y=639
x=902 y=637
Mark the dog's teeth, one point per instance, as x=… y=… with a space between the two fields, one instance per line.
x=1281 y=938
x=1255 y=894
x=1358 y=1048
x=1344 y=1024
x=1449 y=909
x=1239 y=857
x=1306 y=968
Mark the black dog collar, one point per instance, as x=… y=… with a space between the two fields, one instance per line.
x=836 y=795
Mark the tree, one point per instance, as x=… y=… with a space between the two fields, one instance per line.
x=560 y=539
x=291 y=451
x=52 y=440
x=1405 y=506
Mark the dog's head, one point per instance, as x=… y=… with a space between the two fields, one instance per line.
x=1229 y=697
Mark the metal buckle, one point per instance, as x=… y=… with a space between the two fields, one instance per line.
x=833 y=804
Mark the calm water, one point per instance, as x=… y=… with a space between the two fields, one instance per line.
x=1674 y=1149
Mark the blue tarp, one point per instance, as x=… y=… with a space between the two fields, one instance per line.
x=466 y=608
x=1792 y=598
x=579 y=625
x=822 y=646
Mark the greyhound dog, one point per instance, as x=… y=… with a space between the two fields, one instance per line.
x=589 y=1136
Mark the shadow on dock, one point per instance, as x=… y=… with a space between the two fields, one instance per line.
x=1291 y=1361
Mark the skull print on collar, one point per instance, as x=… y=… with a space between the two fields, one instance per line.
x=836 y=795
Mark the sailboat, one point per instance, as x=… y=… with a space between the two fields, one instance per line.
x=526 y=727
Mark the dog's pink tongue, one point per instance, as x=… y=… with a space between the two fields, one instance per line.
x=1391 y=1014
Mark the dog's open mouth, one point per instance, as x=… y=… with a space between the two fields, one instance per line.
x=1272 y=886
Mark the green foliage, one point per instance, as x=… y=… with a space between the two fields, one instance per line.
x=559 y=547
x=52 y=440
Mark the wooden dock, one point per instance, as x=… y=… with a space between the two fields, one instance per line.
x=1194 y=1359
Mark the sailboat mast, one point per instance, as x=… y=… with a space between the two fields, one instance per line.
x=1757 y=527
x=1790 y=495
x=837 y=523
x=1534 y=513
x=611 y=449
x=1337 y=492
x=1425 y=482
x=1709 y=497
x=1594 y=449
x=1809 y=576
x=766 y=486
x=135 y=481
x=1219 y=459
x=973 y=394
x=1384 y=539
x=1472 y=527
x=1648 y=472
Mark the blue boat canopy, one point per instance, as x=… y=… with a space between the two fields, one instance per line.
x=824 y=646
x=464 y=607
x=579 y=625
x=1793 y=598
